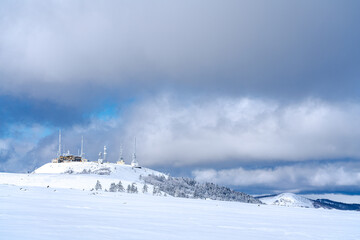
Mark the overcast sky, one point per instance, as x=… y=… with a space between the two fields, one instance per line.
x=257 y=95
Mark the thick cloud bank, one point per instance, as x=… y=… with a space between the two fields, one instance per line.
x=176 y=132
x=297 y=140
x=330 y=177
x=59 y=49
x=244 y=130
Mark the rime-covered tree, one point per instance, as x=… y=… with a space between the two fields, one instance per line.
x=128 y=189
x=134 y=188
x=145 y=188
x=156 y=191
x=113 y=187
x=197 y=193
x=98 y=185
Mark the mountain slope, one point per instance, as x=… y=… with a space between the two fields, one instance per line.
x=79 y=175
x=85 y=176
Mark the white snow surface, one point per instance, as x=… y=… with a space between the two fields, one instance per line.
x=288 y=200
x=51 y=213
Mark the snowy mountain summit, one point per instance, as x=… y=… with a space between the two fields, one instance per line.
x=288 y=200
x=123 y=171
x=80 y=175
x=293 y=200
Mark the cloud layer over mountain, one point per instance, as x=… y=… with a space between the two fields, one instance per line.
x=202 y=85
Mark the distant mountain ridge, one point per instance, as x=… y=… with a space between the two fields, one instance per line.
x=293 y=200
x=328 y=204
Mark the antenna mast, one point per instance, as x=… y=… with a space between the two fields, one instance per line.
x=82 y=154
x=121 y=154
x=105 y=153
x=134 y=155
x=59 y=152
x=134 y=163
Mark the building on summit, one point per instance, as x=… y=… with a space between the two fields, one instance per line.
x=80 y=157
x=67 y=157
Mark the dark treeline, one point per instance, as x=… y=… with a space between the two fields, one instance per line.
x=189 y=188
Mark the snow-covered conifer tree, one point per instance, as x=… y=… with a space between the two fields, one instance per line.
x=134 y=188
x=98 y=185
x=145 y=188
x=120 y=187
x=113 y=187
x=156 y=191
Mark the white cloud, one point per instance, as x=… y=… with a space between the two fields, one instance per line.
x=172 y=131
x=288 y=178
x=16 y=148
x=243 y=129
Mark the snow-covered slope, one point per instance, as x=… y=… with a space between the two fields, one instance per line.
x=289 y=200
x=34 y=213
x=78 y=175
x=85 y=176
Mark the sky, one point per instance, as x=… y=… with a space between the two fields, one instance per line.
x=256 y=95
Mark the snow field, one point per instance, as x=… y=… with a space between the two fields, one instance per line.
x=48 y=213
x=50 y=204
